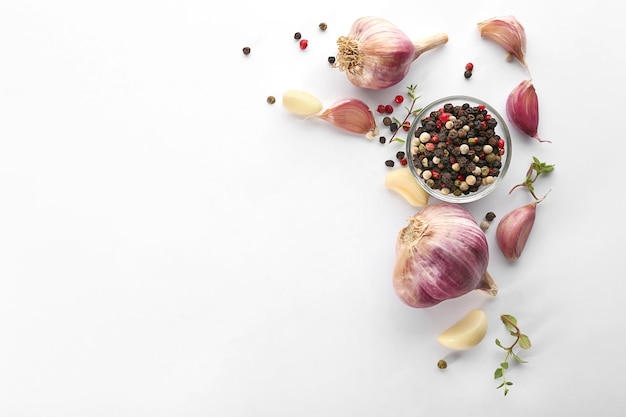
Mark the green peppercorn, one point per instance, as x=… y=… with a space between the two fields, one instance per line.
x=442 y=364
x=246 y=50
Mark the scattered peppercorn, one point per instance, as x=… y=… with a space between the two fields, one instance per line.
x=400 y=155
x=467 y=74
x=297 y=36
x=380 y=108
x=323 y=26
x=331 y=59
x=398 y=99
x=387 y=120
x=393 y=126
x=389 y=163
x=442 y=364
x=246 y=50
x=271 y=99
x=388 y=109
x=382 y=139
x=469 y=67
x=404 y=161
x=490 y=216
x=304 y=43
x=484 y=225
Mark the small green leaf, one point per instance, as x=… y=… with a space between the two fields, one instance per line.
x=500 y=386
x=499 y=344
x=509 y=383
x=524 y=342
x=518 y=359
x=509 y=321
x=397 y=139
x=498 y=373
x=504 y=365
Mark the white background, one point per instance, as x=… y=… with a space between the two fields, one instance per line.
x=172 y=245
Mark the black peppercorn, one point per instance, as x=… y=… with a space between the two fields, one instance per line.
x=389 y=163
x=246 y=50
x=382 y=139
x=393 y=126
x=297 y=35
x=323 y=26
x=271 y=99
x=386 y=120
x=331 y=59
x=490 y=216
x=400 y=155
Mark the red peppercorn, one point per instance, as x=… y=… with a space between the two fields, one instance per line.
x=304 y=43
x=388 y=109
x=380 y=108
x=406 y=126
x=436 y=174
x=469 y=66
x=434 y=137
x=398 y=99
x=481 y=107
x=403 y=161
x=501 y=143
x=444 y=117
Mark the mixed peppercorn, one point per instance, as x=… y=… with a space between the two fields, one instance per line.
x=456 y=149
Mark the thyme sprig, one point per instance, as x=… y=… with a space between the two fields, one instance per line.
x=536 y=169
x=409 y=112
x=521 y=340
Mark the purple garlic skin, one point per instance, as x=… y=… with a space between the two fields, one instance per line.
x=513 y=230
x=522 y=109
x=441 y=254
x=376 y=54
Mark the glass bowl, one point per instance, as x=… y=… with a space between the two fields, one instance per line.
x=458 y=148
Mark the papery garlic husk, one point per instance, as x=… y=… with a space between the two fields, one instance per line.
x=522 y=109
x=507 y=32
x=352 y=115
x=376 y=54
x=514 y=229
x=441 y=254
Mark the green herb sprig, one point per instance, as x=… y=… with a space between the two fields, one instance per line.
x=536 y=169
x=521 y=340
x=409 y=112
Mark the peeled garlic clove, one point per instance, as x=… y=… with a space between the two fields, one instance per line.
x=507 y=32
x=401 y=180
x=376 y=54
x=301 y=103
x=465 y=333
x=522 y=109
x=514 y=228
x=441 y=254
x=352 y=115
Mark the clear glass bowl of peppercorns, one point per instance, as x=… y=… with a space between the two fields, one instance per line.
x=458 y=148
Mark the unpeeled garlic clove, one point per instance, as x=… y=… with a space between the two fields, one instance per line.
x=401 y=180
x=507 y=32
x=301 y=103
x=467 y=332
x=522 y=109
x=352 y=115
x=514 y=229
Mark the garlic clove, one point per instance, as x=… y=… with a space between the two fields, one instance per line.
x=522 y=109
x=507 y=32
x=514 y=229
x=466 y=333
x=376 y=54
x=301 y=103
x=401 y=180
x=352 y=115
